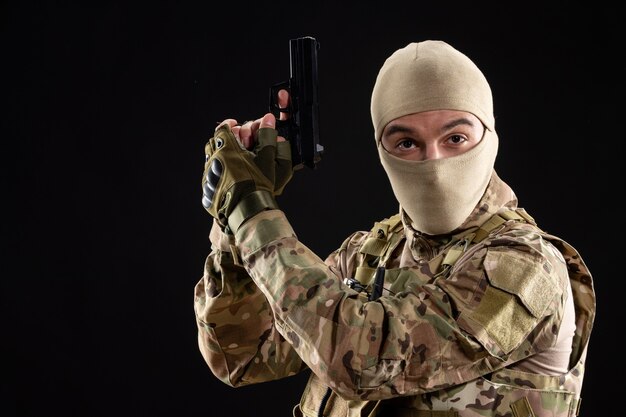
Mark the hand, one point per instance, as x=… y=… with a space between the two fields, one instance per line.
x=273 y=152
x=230 y=175
x=238 y=183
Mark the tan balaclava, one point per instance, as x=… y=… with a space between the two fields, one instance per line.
x=438 y=195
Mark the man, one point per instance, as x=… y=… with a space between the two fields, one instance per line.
x=458 y=305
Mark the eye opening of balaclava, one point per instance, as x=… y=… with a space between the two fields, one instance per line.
x=437 y=195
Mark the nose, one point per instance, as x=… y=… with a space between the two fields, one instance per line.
x=431 y=152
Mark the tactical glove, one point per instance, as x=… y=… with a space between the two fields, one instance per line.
x=273 y=158
x=237 y=183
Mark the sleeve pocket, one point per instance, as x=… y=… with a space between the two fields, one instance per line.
x=518 y=296
x=523 y=275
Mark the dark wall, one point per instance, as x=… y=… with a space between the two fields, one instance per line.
x=108 y=107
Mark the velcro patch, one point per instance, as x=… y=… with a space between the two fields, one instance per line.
x=520 y=292
x=505 y=320
x=524 y=275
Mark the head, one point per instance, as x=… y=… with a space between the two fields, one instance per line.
x=433 y=120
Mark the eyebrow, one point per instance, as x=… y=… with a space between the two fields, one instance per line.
x=457 y=122
x=399 y=128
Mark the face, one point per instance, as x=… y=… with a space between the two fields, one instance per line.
x=432 y=134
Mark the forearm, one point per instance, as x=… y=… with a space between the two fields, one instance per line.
x=236 y=334
x=342 y=338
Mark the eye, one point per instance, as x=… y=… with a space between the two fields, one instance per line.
x=406 y=144
x=457 y=139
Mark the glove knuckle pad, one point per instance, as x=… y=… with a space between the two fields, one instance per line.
x=215 y=172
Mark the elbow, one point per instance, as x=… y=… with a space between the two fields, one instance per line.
x=216 y=359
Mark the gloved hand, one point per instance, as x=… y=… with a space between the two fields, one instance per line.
x=273 y=158
x=237 y=183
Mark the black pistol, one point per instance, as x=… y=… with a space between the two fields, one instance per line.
x=301 y=128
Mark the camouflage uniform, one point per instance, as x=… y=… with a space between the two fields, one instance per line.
x=438 y=342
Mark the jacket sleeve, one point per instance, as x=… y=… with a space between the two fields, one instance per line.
x=433 y=334
x=236 y=332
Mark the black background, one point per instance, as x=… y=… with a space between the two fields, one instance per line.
x=107 y=109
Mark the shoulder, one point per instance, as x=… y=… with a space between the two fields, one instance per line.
x=519 y=253
x=523 y=263
x=519 y=280
x=528 y=248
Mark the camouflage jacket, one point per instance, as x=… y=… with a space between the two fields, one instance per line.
x=438 y=342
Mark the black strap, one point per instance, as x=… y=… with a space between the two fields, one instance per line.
x=320 y=412
x=377 y=291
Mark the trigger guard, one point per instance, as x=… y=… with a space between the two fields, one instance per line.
x=282 y=129
x=274 y=107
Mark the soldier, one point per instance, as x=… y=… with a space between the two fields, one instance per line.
x=457 y=305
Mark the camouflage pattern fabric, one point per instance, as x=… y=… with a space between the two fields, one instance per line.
x=267 y=308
